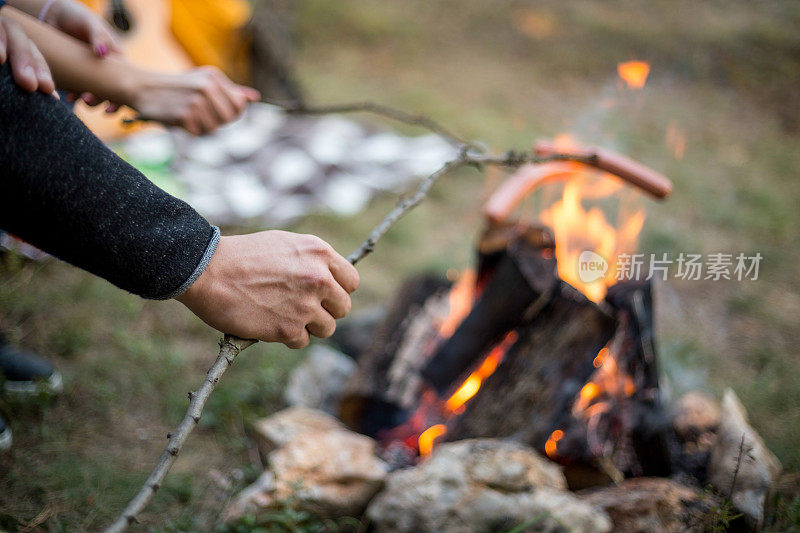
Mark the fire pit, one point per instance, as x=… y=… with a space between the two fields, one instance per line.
x=490 y=393
x=540 y=342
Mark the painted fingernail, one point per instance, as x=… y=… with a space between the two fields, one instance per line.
x=28 y=72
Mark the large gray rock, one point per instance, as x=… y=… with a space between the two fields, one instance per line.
x=330 y=471
x=738 y=444
x=480 y=485
x=644 y=505
x=277 y=430
x=318 y=381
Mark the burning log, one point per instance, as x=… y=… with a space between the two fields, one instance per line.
x=540 y=376
x=371 y=400
x=520 y=285
x=652 y=436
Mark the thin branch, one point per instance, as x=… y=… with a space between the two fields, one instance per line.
x=403 y=206
x=231 y=346
x=510 y=159
x=383 y=111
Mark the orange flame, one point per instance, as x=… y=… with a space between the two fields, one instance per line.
x=577 y=230
x=427 y=438
x=460 y=297
x=608 y=385
x=634 y=73
x=473 y=383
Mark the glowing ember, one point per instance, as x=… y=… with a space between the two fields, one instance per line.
x=601 y=356
x=589 y=392
x=427 y=438
x=551 y=446
x=607 y=387
x=634 y=73
x=468 y=389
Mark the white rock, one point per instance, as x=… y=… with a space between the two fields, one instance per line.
x=346 y=196
x=277 y=430
x=331 y=471
x=318 y=381
x=291 y=168
x=207 y=150
x=243 y=140
x=210 y=205
x=426 y=154
x=247 y=195
x=266 y=116
x=383 y=148
x=150 y=147
x=758 y=468
x=480 y=485
x=286 y=209
x=200 y=178
x=332 y=140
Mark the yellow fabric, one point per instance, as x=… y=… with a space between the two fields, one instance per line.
x=210 y=32
x=150 y=44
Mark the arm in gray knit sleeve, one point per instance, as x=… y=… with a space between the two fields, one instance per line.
x=62 y=190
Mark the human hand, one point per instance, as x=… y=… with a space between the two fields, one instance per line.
x=77 y=20
x=29 y=68
x=199 y=100
x=273 y=286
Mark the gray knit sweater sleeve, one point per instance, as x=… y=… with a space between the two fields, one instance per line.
x=62 y=190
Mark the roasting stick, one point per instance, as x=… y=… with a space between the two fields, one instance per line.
x=231 y=346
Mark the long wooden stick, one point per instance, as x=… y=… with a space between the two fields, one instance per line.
x=231 y=346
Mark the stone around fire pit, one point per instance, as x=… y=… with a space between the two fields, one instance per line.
x=318 y=381
x=758 y=467
x=326 y=469
x=696 y=415
x=277 y=430
x=481 y=485
x=644 y=505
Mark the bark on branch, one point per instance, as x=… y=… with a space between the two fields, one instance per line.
x=230 y=346
x=383 y=111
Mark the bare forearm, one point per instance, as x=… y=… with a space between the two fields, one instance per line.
x=31 y=7
x=75 y=67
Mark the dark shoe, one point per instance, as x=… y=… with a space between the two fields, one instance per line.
x=26 y=373
x=5 y=435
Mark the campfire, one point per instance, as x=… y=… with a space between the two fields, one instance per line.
x=540 y=341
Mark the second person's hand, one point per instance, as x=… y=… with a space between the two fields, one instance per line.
x=199 y=100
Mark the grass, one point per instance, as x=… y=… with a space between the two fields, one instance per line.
x=504 y=72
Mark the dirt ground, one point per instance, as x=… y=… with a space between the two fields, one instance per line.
x=723 y=77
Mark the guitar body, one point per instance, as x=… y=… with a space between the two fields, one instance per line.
x=149 y=43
